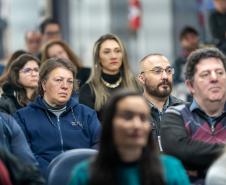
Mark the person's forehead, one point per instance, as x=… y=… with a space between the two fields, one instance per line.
x=156 y=61
x=132 y=102
x=209 y=63
x=32 y=35
x=52 y=26
x=109 y=43
x=60 y=71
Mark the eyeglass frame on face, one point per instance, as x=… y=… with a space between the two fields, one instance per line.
x=28 y=70
x=52 y=33
x=159 y=70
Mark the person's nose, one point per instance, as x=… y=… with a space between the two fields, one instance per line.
x=213 y=76
x=113 y=54
x=137 y=121
x=164 y=75
x=64 y=85
x=34 y=73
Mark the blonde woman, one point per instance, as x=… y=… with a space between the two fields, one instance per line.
x=111 y=71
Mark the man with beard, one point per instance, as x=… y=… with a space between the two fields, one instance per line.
x=156 y=76
x=195 y=133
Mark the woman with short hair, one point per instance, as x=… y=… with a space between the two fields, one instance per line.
x=56 y=122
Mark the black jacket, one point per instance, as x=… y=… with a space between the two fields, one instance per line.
x=8 y=100
x=155 y=117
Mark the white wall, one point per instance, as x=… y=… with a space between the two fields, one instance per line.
x=89 y=19
x=22 y=16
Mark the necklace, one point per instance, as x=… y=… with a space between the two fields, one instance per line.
x=112 y=85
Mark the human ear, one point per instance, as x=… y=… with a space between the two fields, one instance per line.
x=190 y=86
x=141 y=78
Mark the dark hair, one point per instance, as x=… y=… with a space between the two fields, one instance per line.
x=49 y=65
x=188 y=30
x=13 y=57
x=46 y=22
x=20 y=174
x=12 y=77
x=104 y=167
x=196 y=56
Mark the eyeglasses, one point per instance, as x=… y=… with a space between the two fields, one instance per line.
x=52 y=33
x=61 y=81
x=29 y=70
x=159 y=71
x=129 y=115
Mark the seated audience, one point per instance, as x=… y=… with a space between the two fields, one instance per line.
x=19 y=173
x=55 y=122
x=59 y=49
x=127 y=153
x=12 y=138
x=156 y=77
x=20 y=83
x=195 y=133
x=111 y=71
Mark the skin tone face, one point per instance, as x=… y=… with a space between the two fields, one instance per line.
x=33 y=41
x=190 y=42
x=58 y=87
x=220 y=5
x=29 y=75
x=131 y=126
x=52 y=32
x=209 y=82
x=110 y=57
x=156 y=81
x=57 y=51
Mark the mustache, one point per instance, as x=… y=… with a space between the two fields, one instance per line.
x=165 y=82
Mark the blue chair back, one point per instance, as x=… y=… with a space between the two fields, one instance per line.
x=60 y=168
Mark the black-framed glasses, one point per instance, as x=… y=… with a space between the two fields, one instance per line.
x=159 y=71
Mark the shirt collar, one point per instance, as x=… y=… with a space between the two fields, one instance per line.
x=165 y=106
x=195 y=106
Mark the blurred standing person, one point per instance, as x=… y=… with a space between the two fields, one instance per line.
x=20 y=83
x=156 y=77
x=59 y=49
x=189 y=41
x=33 y=42
x=195 y=133
x=127 y=153
x=217 y=21
x=111 y=71
x=58 y=123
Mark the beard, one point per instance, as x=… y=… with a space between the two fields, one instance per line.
x=155 y=90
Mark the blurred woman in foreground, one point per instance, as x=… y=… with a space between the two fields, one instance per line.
x=127 y=153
